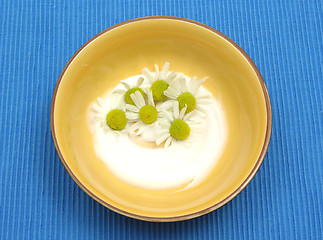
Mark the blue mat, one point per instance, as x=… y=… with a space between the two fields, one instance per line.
x=39 y=200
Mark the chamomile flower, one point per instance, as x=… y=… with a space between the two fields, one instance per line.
x=176 y=126
x=129 y=90
x=143 y=113
x=110 y=116
x=159 y=81
x=188 y=94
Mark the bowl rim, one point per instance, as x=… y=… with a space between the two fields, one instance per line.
x=194 y=214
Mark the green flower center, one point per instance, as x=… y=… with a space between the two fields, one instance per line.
x=116 y=119
x=158 y=88
x=148 y=114
x=187 y=99
x=130 y=91
x=179 y=129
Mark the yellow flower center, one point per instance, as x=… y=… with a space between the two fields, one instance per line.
x=130 y=91
x=148 y=114
x=187 y=99
x=179 y=129
x=158 y=88
x=116 y=119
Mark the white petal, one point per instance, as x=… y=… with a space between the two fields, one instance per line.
x=162 y=131
x=176 y=110
x=204 y=101
x=156 y=72
x=172 y=92
x=99 y=118
x=202 y=109
x=168 y=142
x=127 y=86
x=194 y=124
x=191 y=83
x=139 y=82
x=140 y=130
x=187 y=116
x=169 y=94
x=117 y=102
x=132 y=108
x=164 y=72
x=165 y=125
x=123 y=131
x=135 y=126
x=118 y=91
x=121 y=105
x=145 y=89
x=168 y=104
x=183 y=84
x=167 y=115
x=178 y=77
x=204 y=96
x=150 y=98
x=148 y=74
x=100 y=102
x=113 y=101
x=132 y=116
x=195 y=84
x=141 y=98
x=137 y=99
x=96 y=108
x=162 y=138
x=170 y=77
x=182 y=113
x=196 y=129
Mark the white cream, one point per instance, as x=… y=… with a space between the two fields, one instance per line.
x=158 y=168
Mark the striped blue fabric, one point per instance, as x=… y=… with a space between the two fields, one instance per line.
x=39 y=200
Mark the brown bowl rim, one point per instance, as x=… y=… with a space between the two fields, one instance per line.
x=206 y=210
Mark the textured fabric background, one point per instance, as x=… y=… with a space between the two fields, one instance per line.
x=39 y=200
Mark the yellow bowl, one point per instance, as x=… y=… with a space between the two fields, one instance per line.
x=194 y=49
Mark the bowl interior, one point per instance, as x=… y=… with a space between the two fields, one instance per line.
x=194 y=50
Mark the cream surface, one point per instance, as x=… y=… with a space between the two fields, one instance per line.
x=158 y=168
